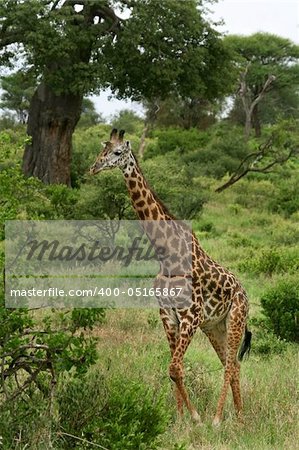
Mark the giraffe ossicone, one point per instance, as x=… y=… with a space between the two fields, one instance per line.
x=219 y=304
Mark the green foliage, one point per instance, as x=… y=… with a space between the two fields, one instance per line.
x=18 y=89
x=90 y=55
x=281 y=307
x=223 y=153
x=286 y=198
x=7 y=121
x=183 y=193
x=86 y=146
x=127 y=120
x=89 y=115
x=176 y=111
x=156 y=70
x=104 y=197
x=176 y=139
x=17 y=428
x=273 y=260
x=264 y=54
x=265 y=342
x=80 y=404
x=120 y=414
x=128 y=422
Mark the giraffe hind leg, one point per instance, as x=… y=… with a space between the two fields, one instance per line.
x=236 y=321
x=218 y=338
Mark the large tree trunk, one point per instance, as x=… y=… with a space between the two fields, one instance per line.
x=52 y=120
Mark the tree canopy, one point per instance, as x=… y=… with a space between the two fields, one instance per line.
x=140 y=49
x=79 y=46
x=18 y=89
x=269 y=77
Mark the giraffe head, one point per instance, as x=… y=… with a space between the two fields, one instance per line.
x=116 y=153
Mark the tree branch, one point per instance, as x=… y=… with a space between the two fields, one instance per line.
x=265 y=150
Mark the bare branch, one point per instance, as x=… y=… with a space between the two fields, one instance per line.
x=265 y=150
x=248 y=103
x=267 y=84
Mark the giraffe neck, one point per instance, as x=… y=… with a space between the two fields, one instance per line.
x=163 y=230
x=144 y=201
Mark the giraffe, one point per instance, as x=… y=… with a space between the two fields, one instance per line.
x=218 y=305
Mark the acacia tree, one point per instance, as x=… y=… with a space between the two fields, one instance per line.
x=269 y=70
x=18 y=89
x=78 y=47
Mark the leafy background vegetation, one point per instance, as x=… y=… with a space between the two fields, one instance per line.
x=97 y=378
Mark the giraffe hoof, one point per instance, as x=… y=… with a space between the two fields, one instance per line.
x=196 y=418
x=216 y=422
x=241 y=420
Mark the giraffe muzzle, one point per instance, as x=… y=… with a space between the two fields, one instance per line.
x=96 y=168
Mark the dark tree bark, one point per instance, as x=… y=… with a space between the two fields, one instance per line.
x=52 y=120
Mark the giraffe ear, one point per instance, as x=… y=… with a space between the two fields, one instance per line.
x=121 y=136
x=113 y=135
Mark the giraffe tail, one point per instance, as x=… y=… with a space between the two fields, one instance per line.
x=246 y=344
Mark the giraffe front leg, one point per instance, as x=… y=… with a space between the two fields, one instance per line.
x=171 y=327
x=176 y=371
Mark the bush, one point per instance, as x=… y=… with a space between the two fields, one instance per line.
x=281 y=307
x=176 y=185
x=219 y=155
x=117 y=414
x=176 y=139
x=254 y=193
x=271 y=261
x=135 y=416
x=265 y=342
x=127 y=120
x=286 y=200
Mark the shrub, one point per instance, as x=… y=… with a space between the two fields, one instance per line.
x=281 y=307
x=254 y=193
x=286 y=200
x=265 y=342
x=136 y=415
x=176 y=185
x=221 y=154
x=119 y=414
x=271 y=261
x=176 y=139
x=127 y=120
